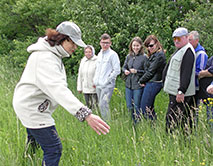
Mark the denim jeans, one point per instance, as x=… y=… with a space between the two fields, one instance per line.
x=148 y=98
x=50 y=143
x=133 y=98
x=32 y=145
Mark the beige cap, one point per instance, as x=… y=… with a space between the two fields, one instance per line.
x=72 y=30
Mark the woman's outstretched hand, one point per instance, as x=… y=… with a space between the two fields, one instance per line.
x=97 y=124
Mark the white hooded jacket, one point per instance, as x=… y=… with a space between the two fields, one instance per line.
x=43 y=86
x=86 y=74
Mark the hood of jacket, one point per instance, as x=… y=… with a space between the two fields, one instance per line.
x=43 y=45
x=92 y=48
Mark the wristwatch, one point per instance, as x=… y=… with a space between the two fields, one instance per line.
x=180 y=92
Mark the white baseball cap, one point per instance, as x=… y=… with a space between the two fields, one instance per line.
x=180 y=32
x=72 y=30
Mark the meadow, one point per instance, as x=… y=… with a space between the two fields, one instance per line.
x=125 y=145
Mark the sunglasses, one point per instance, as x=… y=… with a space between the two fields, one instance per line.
x=177 y=38
x=150 y=45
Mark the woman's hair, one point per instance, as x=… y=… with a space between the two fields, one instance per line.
x=158 y=44
x=137 y=39
x=55 y=38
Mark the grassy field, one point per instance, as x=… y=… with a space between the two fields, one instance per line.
x=145 y=145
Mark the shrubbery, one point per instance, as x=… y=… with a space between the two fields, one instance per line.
x=23 y=21
x=202 y=21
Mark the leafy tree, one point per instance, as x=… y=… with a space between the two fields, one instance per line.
x=201 y=20
x=24 y=20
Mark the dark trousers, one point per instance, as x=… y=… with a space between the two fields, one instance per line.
x=180 y=114
x=50 y=143
x=91 y=100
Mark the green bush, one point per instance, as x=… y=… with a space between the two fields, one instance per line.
x=201 y=20
x=5 y=45
x=123 y=20
x=21 y=18
x=18 y=55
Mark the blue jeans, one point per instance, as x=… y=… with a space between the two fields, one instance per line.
x=50 y=143
x=148 y=98
x=133 y=98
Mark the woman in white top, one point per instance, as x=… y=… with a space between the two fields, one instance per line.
x=43 y=86
x=86 y=74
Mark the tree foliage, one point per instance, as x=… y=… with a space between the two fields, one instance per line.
x=201 y=20
x=22 y=21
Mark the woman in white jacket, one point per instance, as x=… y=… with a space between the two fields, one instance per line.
x=43 y=86
x=86 y=74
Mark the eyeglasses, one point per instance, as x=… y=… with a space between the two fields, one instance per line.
x=150 y=45
x=177 y=38
x=106 y=43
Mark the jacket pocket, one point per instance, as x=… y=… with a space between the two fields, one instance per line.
x=173 y=83
x=176 y=65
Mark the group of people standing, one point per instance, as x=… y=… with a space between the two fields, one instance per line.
x=143 y=76
x=43 y=84
x=146 y=72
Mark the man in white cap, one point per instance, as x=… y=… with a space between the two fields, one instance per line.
x=179 y=82
x=43 y=86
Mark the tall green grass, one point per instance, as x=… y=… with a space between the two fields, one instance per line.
x=125 y=145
